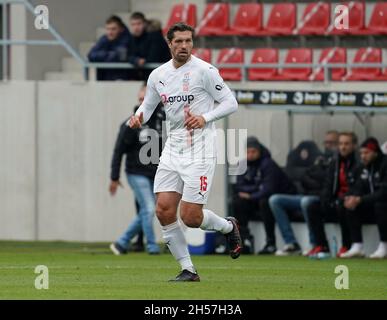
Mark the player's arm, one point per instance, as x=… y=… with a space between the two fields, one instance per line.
x=215 y=86
x=148 y=106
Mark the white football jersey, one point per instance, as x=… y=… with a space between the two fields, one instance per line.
x=194 y=86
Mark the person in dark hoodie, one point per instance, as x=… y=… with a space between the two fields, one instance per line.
x=262 y=179
x=283 y=205
x=112 y=47
x=367 y=200
x=339 y=178
x=140 y=175
x=145 y=47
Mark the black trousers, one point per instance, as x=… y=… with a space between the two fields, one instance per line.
x=368 y=214
x=247 y=210
x=317 y=215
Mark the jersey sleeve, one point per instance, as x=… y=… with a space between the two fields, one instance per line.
x=151 y=100
x=214 y=84
x=220 y=92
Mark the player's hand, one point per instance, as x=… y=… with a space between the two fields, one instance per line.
x=114 y=186
x=194 y=122
x=136 y=121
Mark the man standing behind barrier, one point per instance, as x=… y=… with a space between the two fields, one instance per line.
x=140 y=177
x=112 y=47
x=145 y=47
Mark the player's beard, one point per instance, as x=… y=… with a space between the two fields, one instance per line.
x=182 y=59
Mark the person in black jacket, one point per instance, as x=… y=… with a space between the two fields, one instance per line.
x=145 y=47
x=283 y=205
x=368 y=199
x=112 y=47
x=340 y=177
x=142 y=148
x=262 y=178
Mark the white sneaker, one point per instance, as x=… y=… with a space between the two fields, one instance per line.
x=380 y=253
x=354 y=252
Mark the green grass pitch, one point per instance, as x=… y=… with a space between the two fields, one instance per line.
x=90 y=271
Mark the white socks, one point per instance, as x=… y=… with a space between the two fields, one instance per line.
x=174 y=237
x=177 y=244
x=211 y=221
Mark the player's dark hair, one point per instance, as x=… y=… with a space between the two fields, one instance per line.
x=137 y=16
x=115 y=19
x=180 y=26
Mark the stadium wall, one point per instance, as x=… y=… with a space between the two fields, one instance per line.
x=75 y=20
x=56 y=141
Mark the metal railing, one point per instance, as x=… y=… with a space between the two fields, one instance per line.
x=5 y=42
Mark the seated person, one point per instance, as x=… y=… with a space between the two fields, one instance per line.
x=282 y=205
x=339 y=178
x=112 y=47
x=262 y=178
x=368 y=197
x=145 y=46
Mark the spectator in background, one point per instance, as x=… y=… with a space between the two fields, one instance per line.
x=112 y=47
x=282 y=205
x=262 y=179
x=368 y=199
x=340 y=177
x=145 y=47
x=140 y=177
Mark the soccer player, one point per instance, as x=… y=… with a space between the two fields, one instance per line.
x=188 y=87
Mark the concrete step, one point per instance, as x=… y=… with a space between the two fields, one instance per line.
x=64 y=76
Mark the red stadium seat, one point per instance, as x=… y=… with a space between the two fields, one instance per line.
x=365 y=55
x=282 y=19
x=383 y=76
x=378 y=21
x=231 y=55
x=204 y=54
x=315 y=19
x=182 y=13
x=215 y=21
x=356 y=19
x=299 y=55
x=263 y=56
x=248 y=20
x=331 y=55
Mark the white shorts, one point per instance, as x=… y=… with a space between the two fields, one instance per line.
x=192 y=178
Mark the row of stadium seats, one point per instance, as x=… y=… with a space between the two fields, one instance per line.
x=248 y=21
x=297 y=55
